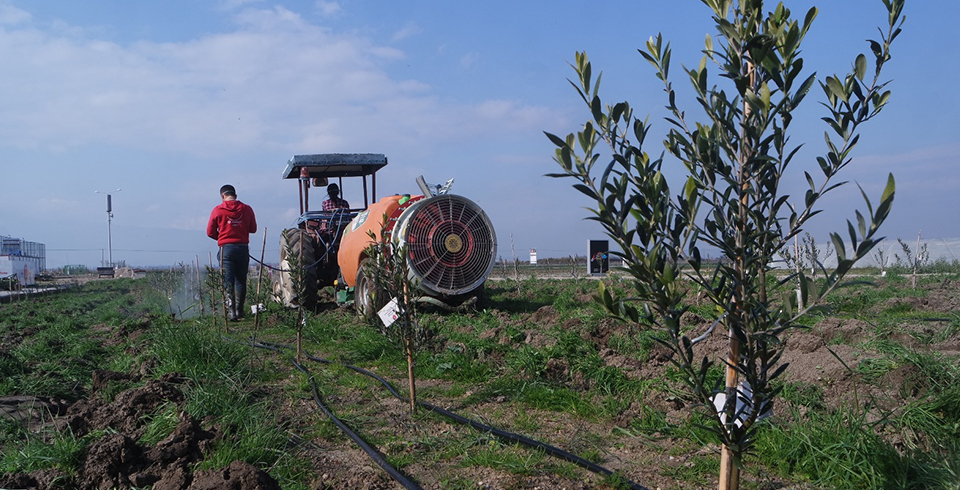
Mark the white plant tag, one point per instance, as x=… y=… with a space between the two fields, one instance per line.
x=389 y=312
x=744 y=406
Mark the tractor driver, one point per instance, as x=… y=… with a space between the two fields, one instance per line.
x=334 y=201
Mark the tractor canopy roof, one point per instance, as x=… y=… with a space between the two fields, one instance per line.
x=335 y=165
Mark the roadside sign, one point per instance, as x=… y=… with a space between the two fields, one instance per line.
x=599 y=257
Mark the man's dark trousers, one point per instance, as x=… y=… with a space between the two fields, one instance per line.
x=236 y=262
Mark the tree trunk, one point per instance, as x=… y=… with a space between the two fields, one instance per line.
x=410 y=377
x=408 y=343
x=729 y=472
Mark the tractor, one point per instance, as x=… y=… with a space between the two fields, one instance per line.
x=450 y=241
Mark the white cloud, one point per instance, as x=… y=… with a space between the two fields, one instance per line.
x=469 y=60
x=271 y=20
x=275 y=82
x=328 y=9
x=267 y=80
x=233 y=4
x=10 y=15
x=408 y=30
x=170 y=122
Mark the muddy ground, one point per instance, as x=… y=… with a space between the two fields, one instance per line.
x=821 y=355
x=116 y=460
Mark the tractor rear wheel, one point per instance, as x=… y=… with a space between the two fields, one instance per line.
x=298 y=257
x=367 y=297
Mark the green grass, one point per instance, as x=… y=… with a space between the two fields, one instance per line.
x=223 y=376
x=454 y=367
x=522 y=379
x=60 y=450
x=840 y=449
x=491 y=452
x=850 y=446
x=651 y=422
x=563 y=378
x=51 y=352
x=59 y=355
x=698 y=470
x=160 y=424
x=802 y=394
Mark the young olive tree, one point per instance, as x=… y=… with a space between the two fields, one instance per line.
x=731 y=200
x=807 y=254
x=387 y=266
x=915 y=258
x=298 y=275
x=882 y=258
x=215 y=293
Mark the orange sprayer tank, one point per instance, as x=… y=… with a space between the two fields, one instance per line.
x=356 y=239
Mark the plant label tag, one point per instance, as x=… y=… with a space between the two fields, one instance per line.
x=744 y=407
x=389 y=312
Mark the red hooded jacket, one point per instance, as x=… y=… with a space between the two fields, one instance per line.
x=231 y=222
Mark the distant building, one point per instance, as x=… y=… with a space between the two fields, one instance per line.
x=22 y=259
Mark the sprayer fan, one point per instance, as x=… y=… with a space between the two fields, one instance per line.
x=451 y=243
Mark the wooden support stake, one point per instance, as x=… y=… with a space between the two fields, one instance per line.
x=301 y=288
x=729 y=471
x=199 y=285
x=409 y=346
x=213 y=296
x=256 y=316
x=223 y=290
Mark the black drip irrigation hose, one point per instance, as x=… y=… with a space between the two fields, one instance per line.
x=502 y=434
x=373 y=453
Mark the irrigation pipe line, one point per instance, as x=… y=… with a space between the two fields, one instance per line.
x=373 y=453
x=502 y=434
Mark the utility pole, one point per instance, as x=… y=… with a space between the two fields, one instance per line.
x=109 y=224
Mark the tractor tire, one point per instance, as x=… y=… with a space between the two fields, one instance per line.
x=298 y=249
x=368 y=299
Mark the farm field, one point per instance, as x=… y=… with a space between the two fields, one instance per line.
x=102 y=387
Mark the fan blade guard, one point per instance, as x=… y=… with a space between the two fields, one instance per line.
x=451 y=243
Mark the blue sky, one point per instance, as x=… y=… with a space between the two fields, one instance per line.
x=169 y=100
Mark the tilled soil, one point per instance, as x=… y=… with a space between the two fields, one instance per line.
x=117 y=460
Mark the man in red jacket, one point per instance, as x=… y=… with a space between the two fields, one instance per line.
x=231 y=224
